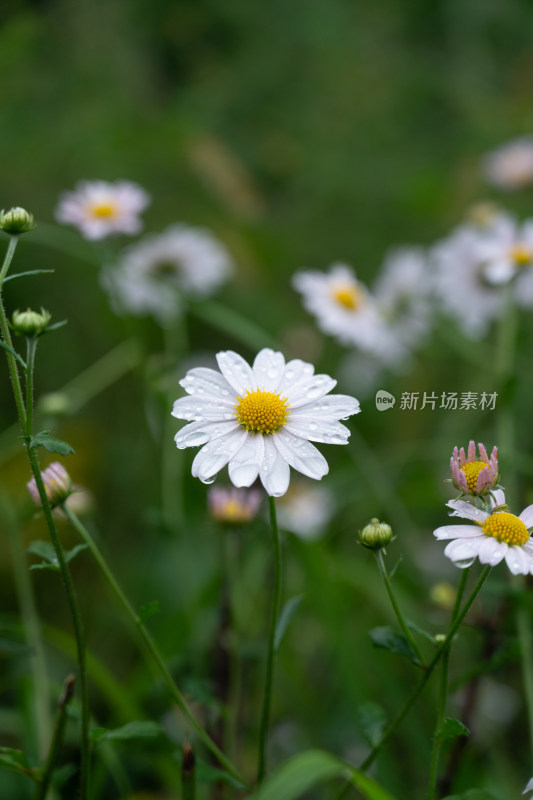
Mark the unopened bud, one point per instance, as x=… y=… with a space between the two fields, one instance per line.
x=376 y=535
x=57 y=485
x=30 y=323
x=16 y=221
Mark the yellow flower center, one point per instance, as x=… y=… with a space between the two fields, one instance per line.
x=103 y=210
x=233 y=511
x=521 y=255
x=262 y=412
x=348 y=296
x=471 y=471
x=505 y=527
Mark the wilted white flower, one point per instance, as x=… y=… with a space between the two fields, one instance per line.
x=99 y=209
x=306 y=510
x=154 y=274
x=511 y=165
x=260 y=420
x=494 y=537
x=474 y=475
x=234 y=506
x=343 y=307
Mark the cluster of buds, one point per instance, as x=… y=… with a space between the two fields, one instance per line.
x=57 y=485
x=376 y=535
x=30 y=323
x=16 y=221
x=473 y=475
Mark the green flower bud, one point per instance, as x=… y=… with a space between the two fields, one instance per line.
x=30 y=323
x=376 y=535
x=16 y=220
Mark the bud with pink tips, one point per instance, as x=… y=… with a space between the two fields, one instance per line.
x=472 y=474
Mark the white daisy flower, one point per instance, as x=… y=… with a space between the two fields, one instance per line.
x=505 y=249
x=494 y=537
x=99 y=209
x=460 y=285
x=260 y=420
x=154 y=274
x=343 y=307
x=511 y=165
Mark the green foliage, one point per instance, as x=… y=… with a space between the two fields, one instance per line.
x=145 y=729
x=452 y=728
x=387 y=639
x=46 y=550
x=50 y=443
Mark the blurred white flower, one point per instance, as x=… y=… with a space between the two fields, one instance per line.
x=343 y=307
x=154 y=274
x=494 y=537
x=459 y=283
x=306 y=510
x=511 y=165
x=99 y=209
x=260 y=420
x=402 y=293
x=505 y=250
x=529 y=787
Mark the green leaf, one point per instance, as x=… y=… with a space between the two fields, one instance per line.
x=206 y=773
x=393 y=571
x=55 y=326
x=16 y=761
x=14 y=353
x=29 y=272
x=287 y=613
x=421 y=632
x=46 y=550
x=302 y=772
x=388 y=639
x=133 y=730
x=372 y=719
x=50 y=443
x=149 y=610
x=451 y=728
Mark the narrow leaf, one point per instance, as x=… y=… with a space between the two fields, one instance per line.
x=16 y=761
x=133 y=730
x=29 y=272
x=149 y=610
x=452 y=728
x=55 y=326
x=388 y=639
x=417 y=629
x=14 y=353
x=302 y=772
x=287 y=613
x=50 y=443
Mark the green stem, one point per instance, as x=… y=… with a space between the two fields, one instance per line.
x=443 y=694
x=149 y=643
x=6 y=336
x=523 y=624
x=399 y=616
x=274 y=616
x=57 y=738
x=31 y=347
x=13 y=241
x=429 y=670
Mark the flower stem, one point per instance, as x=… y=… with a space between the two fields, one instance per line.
x=57 y=738
x=399 y=616
x=13 y=241
x=149 y=643
x=454 y=625
x=523 y=625
x=6 y=336
x=443 y=694
x=274 y=616
x=31 y=347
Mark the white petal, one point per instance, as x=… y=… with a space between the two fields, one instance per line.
x=301 y=455
x=491 y=551
x=197 y=433
x=236 y=371
x=318 y=430
x=467 y=511
x=529 y=787
x=499 y=272
x=202 y=408
x=334 y=406
x=204 y=381
x=216 y=455
x=458 y=532
x=243 y=468
x=497 y=498
x=518 y=560
x=296 y=372
x=268 y=369
x=462 y=552
x=312 y=389
x=527 y=517
x=274 y=471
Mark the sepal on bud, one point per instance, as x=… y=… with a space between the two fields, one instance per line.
x=376 y=535
x=30 y=323
x=16 y=221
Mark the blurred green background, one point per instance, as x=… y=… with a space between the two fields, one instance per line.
x=301 y=133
